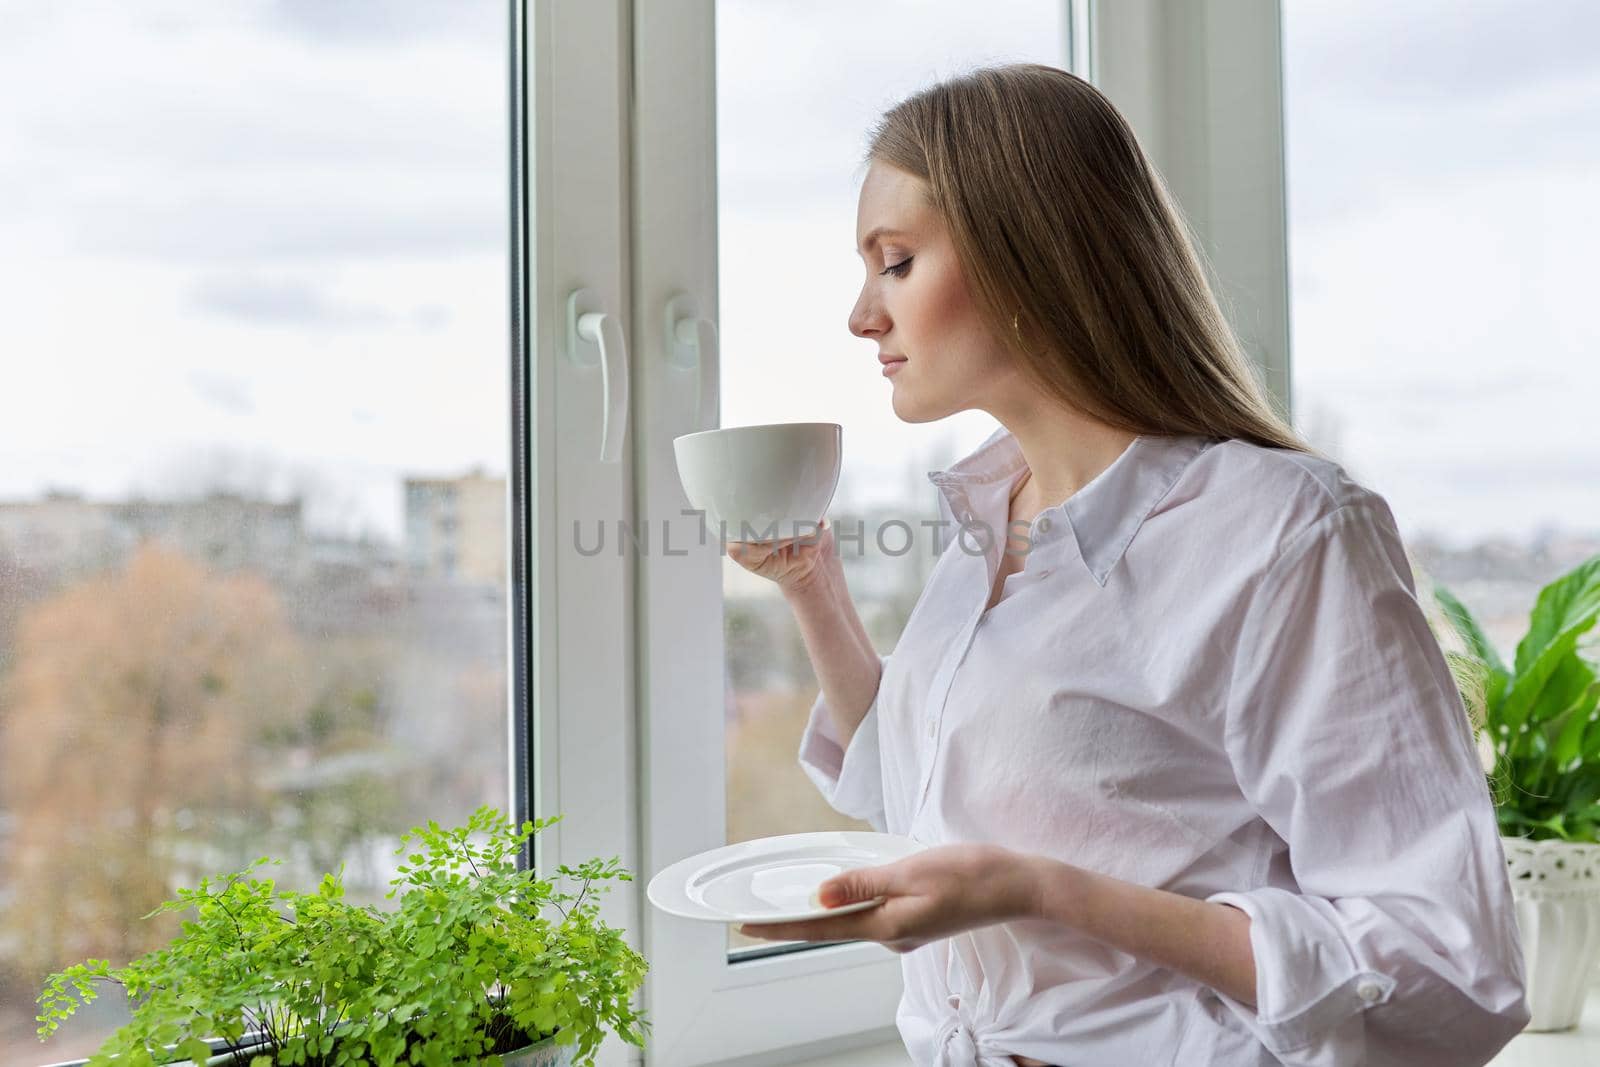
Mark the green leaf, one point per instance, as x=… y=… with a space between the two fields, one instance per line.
x=1468 y=628
x=1523 y=698
x=1576 y=718
x=197 y=1051
x=469 y=921
x=1580 y=789
x=1562 y=605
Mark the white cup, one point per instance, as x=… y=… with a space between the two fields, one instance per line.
x=761 y=483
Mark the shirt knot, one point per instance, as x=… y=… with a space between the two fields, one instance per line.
x=960 y=1046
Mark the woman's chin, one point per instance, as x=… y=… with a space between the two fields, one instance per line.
x=904 y=409
x=908 y=409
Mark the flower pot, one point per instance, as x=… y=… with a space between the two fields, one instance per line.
x=545 y=1054
x=1556 y=889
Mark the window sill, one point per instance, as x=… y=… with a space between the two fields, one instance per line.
x=1567 y=1048
x=892 y=1054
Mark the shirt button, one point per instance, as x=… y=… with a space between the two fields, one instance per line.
x=1043 y=526
x=1369 y=992
x=933 y=727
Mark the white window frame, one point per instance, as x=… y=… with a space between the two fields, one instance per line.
x=572 y=614
x=703 y=1008
x=1201 y=81
x=776 y=1007
x=623 y=657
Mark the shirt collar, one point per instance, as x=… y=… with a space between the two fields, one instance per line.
x=1104 y=515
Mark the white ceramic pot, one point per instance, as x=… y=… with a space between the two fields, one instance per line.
x=1556 y=888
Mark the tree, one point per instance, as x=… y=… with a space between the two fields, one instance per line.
x=134 y=709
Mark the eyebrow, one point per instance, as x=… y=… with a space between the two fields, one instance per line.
x=875 y=233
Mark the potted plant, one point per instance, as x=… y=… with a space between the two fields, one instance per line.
x=468 y=968
x=1538 y=723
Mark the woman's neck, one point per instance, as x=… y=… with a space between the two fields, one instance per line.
x=1064 y=451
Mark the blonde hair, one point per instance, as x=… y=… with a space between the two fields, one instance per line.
x=1076 y=254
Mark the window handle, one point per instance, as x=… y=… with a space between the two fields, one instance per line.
x=692 y=346
x=589 y=329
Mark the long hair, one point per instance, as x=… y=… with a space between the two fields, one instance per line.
x=1076 y=254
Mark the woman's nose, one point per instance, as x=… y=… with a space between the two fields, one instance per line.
x=866 y=320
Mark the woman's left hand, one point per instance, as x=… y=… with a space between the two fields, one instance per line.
x=928 y=896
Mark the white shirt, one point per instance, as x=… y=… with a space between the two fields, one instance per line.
x=1211 y=676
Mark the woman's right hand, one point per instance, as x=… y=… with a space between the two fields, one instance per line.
x=794 y=563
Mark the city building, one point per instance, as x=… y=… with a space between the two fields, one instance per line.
x=456 y=528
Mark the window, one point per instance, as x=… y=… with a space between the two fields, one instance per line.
x=788 y=277
x=1443 y=214
x=1199 y=84
x=752 y=117
x=255 y=340
x=305 y=487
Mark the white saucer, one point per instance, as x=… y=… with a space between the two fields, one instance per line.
x=773 y=879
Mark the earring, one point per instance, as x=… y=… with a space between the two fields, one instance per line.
x=1014 y=327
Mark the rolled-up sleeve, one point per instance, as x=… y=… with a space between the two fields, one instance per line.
x=850 y=777
x=1397 y=941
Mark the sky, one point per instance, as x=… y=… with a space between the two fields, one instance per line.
x=1443 y=167
x=262 y=245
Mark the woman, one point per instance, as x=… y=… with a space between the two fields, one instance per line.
x=1197 y=783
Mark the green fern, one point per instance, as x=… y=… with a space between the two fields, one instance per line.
x=480 y=957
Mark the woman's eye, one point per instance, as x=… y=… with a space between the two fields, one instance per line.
x=900 y=268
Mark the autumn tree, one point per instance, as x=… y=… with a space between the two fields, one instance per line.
x=129 y=721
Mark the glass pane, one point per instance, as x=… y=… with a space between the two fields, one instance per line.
x=1442 y=174
x=798 y=87
x=254 y=427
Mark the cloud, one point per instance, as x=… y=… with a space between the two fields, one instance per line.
x=266 y=302
x=229 y=392
x=210 y=135
x=1400 y=391
x=1441 y=53
x=1387 y=100
x=353 y=22
x=223 y=229
x=801 y=84
x=431 y=318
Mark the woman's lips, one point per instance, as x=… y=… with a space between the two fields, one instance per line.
x=891 y=364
